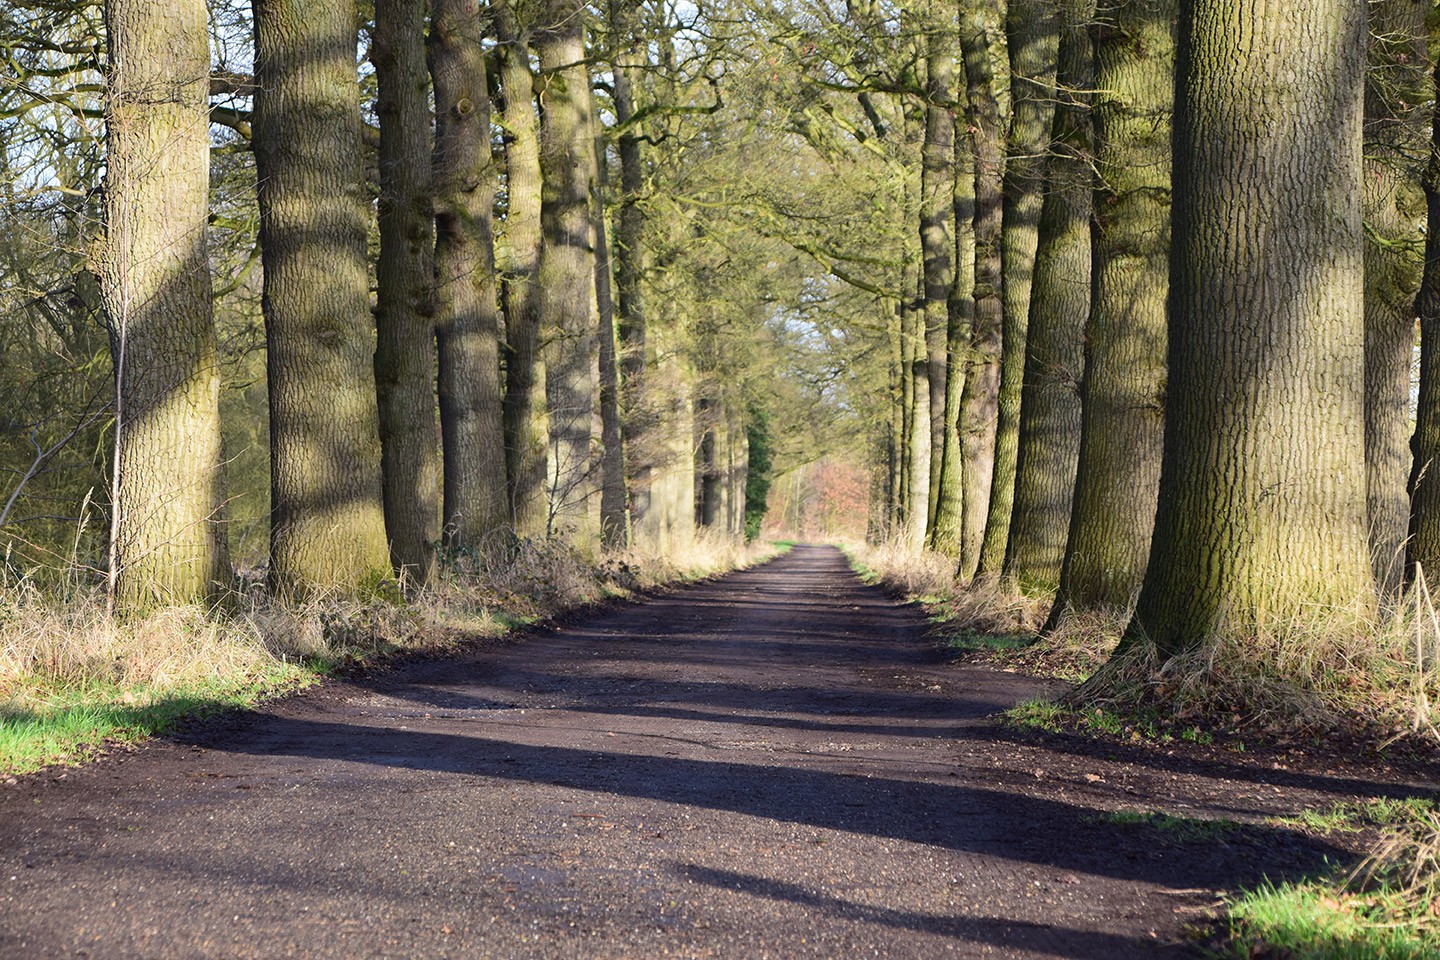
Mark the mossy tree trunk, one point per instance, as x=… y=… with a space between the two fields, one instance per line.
x=937 y=230
x=1123 y=392
x=566 y=277
x=168 y=541
x=1033 y=38
x=467 y=314
x=1395 y=86
x=1424 y=545
x=982 y=43
x=1059 y=309
x=526 y=419
x=946 y=537
x=327 y=530
x=405 y=274
x=1262 y=486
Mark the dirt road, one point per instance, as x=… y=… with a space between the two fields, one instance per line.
x=774 y=764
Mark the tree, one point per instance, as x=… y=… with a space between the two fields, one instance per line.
x=1032 y=30
x=566 y=275
x=1049 y=439
x=1262 y=511
x=1395 y=87
x=526 y=417
x=405 y=310
x=1123 y=392
x=167 y=542
x=1424 y=546
x=467 y=318
x=937 y=230
x=982 y=42
x=328 y=523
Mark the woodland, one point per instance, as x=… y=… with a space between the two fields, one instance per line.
x=1115 y=325
x=1112 y=308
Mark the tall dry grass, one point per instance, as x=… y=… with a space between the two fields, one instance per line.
x=59 y=649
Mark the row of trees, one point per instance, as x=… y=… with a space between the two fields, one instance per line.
x=1156 y=331
x=505 y=286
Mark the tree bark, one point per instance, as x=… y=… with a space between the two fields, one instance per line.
x=1033 y=34
x=526 y=416
x=982 y=40
x=405 y=274
x=327 y=530
x=168 y=539
x=1395 y=85
x=1424 y=545
x=1262 y=506
x=947 y=535
x=467 y=315
x=567 y=265
x=1123 y=392
x=1059 y=308
x=614 y=499
x=937 y=231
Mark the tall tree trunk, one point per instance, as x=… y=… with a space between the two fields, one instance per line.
x=526 y=418
x=467 y=317
x=628 y=56
x=1424 y=546
x=405 y=325
x=1395 y=82
x=1033 y=33
x=937 y=229
x=567 y=264
x=1262 y=506
x=327 y=530
x=982 y=41
x=1123 y=393
x=168 y=542
x=895 y=429
x=1059 y=308
x=614 y=501
x=960 y=309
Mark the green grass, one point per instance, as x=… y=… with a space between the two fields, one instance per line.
x=1314 y=921
x=970 y=641
x=1354 y=816
x=1182 y=829
x=78 y=722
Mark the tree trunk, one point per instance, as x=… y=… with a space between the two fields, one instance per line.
x=526 y=417
x=1424 y=547
x=1262 y=506
x=327 y=523
x=937 y=231
x=168 y=540
x=467 y=317
x=567 y=265
x=1059 y=308
x=982 y=41
x=1033 y=32
x=614 y=501
x=1123 y=393
x=1395 y=82
x=946 y=537
x=405 y=324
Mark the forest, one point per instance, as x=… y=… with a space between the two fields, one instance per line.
x=1108 y=328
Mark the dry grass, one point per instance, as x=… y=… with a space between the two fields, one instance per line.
x=58 y=657
x=1316 y=670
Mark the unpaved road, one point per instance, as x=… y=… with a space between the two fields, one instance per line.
x=774 y=764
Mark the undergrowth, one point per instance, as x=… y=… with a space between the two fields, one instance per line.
x=73 y=679
x=1386 y=909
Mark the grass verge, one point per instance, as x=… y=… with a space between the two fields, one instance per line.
x=74 y=681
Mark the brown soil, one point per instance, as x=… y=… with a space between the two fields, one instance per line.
x=772 y=764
